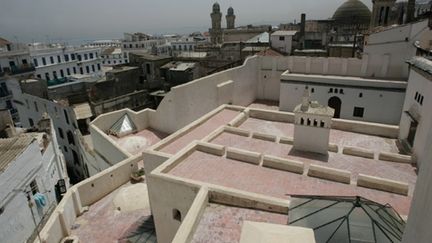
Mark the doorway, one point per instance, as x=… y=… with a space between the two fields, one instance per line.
x=412 y=132
x=335 y=103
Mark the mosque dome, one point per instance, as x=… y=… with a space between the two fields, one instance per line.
x=352 y=11
x=230 y=11
x=216 y=7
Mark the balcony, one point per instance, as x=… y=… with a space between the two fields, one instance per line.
x=15 y=70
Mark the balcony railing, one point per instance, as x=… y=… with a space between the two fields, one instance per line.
x=24 y=68
x=14 y=70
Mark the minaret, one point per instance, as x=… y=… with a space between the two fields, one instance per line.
x=381 y=12
x=312 y=124
x=230 y=18
x=216 y=30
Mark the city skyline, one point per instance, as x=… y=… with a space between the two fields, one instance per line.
x=46 y=20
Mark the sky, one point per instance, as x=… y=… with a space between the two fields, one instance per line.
x=81 y=20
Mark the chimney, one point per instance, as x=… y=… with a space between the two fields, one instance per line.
x=410 y=11
x=302 y=29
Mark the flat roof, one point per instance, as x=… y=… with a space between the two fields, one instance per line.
x=137 y=142
x=284 y=32
x=223 y=223
x=114 y=219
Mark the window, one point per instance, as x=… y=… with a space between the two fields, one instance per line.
x=99 y=67
x=39 y=76
x=36 y=106
x=66 y=57
x=73 y=56
x=341 y=91
x=115 y=62
x=24 y=61
x=31 y=123
x=93 y=68
x=336 y=91
x=91 y=55
x=81 y=70
x=43 y=61
x=176 y=214
x=79 y=58
x=52 y=60
x=66 y=116
x=47 y=77
x=65 y=149
x=74 y=70
x=54 y=74
x=416 y=96
x=61 y=73
x=421 y=100
x=312 y=90
x=70 y=138
x=331 y=90
x=35 y=61
x=61 y=134
x=34 y=187
x=68 y=71
x=109 y=62
x=125 y=46
x=282 y=38
x=358 y=112
x=85 y=56
x=361 y=95
x=58 y=59
x=130 y=45
x=87 y=69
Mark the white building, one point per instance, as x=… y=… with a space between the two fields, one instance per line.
x=65 y=122
x=143 y=42
x=282 y=41
x=55 y=61
x=14 y=64
x=32 y=170
x=112 y=56
x=186 y=44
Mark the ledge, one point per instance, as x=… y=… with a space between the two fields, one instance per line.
x=392 y=157
x=237 y=131
x=285 y=140
x=243 y=155
x=342 y=176
x=333 y=148
x=238 y=120
x=382 y=184
x=283 y=164
x=210 y=148
x=359 y=152
x=265 y=137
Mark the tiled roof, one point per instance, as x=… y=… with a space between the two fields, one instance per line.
x=10 y=148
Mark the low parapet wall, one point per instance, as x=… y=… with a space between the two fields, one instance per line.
x=327 y=173
x=84 y=194
x=382 y=130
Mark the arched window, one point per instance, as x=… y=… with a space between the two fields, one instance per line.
x=302 y=121
x=70 y=137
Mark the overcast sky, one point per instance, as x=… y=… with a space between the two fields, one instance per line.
x=70 y=20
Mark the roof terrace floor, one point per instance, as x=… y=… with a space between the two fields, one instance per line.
x=121 y=216
x=265 y=105
x=230 y=173
x=341 y=138
x=220 y=223
x=136 y=143
x=221 y=118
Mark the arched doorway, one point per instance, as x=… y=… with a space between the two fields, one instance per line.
x=335 y=103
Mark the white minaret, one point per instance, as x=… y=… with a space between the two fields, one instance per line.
x=312 y=126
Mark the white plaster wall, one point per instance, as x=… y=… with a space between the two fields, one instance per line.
x=284 y=46
x=417 y=83
x=188 y=102
x=392 y=47
x=17 y=220
x=386 y=109
x=303 y=142
x=420 y=217
x=174 y=196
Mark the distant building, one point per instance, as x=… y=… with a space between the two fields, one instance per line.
x=56 y=61
x=283 y=41
x=176 y=73
x=146 y=43
x=112 y=56
x=15 y=63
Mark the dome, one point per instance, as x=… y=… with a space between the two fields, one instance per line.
x=216 y=7
x=352 y=11
x=230 y=11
